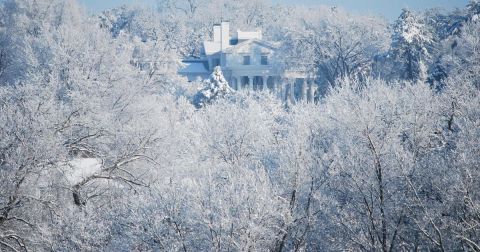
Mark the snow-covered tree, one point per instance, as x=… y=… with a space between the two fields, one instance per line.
x=473 y=10
x=214 y=88
x=460 y=54
x=101 y=147
x=411 y=46
x=333 y=44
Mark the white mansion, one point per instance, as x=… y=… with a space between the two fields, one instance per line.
x=248 y=62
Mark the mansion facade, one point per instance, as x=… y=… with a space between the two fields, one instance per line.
x=249 y=63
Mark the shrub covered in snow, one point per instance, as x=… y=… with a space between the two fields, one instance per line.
x=214 y=87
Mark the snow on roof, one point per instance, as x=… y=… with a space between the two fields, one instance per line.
x=246 y=46
x=212 y=47
x=193 y=68
x=249 y=35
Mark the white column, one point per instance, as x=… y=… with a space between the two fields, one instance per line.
x=237 y=84
x=284 y=90
x=250 y=83
x=265 y=79
x=309 y=90
x=278 y=85
x=292 y=91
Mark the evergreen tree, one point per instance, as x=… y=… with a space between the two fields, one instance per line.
x=215 y=87
x=473 y=10
x=411 y=45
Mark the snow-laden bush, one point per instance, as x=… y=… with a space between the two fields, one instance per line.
x=214 y=88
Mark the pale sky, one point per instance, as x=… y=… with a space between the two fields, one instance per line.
x=388 y=8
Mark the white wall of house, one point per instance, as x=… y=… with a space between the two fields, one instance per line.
x=235 y=67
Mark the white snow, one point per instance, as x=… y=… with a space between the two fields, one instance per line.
x=216 y=86
x=411 y=33
x=193 y=67
x=241 y=35
x=212 y=47
x=80 y=168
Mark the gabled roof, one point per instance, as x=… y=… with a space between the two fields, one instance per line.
x=245 y=46
x=193 y=67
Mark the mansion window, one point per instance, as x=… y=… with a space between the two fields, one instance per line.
x=264 y=60
x=246 y=60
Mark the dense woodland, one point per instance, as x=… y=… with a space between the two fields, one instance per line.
x=100 y=151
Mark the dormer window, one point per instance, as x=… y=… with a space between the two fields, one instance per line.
x=246 y=60
x=264 y=60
